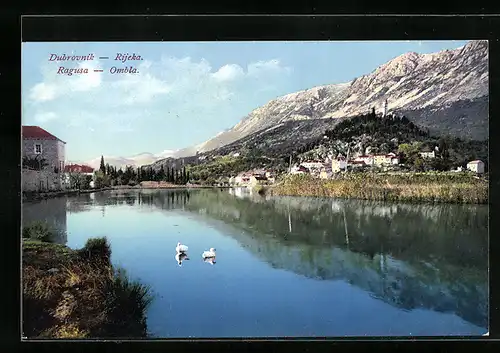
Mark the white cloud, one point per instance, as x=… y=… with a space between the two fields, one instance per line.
x=87 y=81
x=45 y=117
x=56 y=84
x=228 y=73
x=267 y=67
x=166 y=88
x=42 y=92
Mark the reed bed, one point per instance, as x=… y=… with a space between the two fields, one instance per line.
x=425 y=187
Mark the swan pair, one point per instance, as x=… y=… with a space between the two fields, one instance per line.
x=208 y=256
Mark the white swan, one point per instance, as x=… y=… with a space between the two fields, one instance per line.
x=208 y=254
x=181 y=248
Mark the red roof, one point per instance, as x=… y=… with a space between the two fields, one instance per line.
x=36 y=132
x=75 y=168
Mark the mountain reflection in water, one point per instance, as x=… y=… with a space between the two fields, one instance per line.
x=411 y=256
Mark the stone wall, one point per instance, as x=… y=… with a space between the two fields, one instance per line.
x=53 y=151
x=45 y=180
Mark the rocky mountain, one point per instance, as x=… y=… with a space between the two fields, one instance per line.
x=446 y=92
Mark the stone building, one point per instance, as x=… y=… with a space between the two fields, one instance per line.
x=39 y=143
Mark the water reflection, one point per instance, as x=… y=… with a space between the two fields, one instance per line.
x=52 y=211
x=180 y=257
x=432 y=257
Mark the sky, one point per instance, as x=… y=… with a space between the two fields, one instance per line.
x=183 y=93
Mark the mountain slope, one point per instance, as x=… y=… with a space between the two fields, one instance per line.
x=445 y=91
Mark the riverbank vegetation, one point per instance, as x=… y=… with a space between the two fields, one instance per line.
x=412 y=187
x=78 y=293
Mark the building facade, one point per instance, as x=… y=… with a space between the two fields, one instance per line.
x=40 y=144
x=339 y=164
x=476 y=166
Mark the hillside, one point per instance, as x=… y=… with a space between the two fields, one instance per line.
x=325 y=138
x=445 y=91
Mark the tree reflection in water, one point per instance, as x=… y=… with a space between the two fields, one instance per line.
x=408 y=255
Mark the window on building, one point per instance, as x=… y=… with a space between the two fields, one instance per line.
x=38 y=148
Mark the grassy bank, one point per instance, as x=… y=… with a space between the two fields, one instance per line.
x=409 y=187
x=78 y=293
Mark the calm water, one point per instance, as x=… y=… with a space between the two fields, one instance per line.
x=290 y=266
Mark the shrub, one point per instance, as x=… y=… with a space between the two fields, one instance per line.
x=96 y=247
x=39 y=230
x=128 y=302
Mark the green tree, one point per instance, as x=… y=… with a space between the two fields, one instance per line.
x=101 y=179
x=161 y=174
x=102 y=168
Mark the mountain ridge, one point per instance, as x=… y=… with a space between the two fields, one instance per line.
x=420 y=86
x=445 y=91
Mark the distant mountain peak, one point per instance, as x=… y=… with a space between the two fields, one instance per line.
x=411 y=82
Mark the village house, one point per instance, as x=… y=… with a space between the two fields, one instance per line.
x=80 y=169
x=339 y=164
x=258 y=180
x=40 y=144
x=356 y=164
x=383 y=159
x=427 y=152
x=300 y=169
x=378 y=159
x=325 y=174
x=395 y=160
x=476 y=166
x=242 y=179
x=368 y=160
x=77 y=168
x=313 y=165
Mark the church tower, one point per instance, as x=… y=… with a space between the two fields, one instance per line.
x=385 y=108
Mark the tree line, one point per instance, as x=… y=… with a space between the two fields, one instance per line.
x=109 y=175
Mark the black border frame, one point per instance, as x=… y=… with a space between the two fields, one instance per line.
x=230 y=27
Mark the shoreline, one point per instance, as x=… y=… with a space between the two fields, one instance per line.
x=37 y=196
x=79 y=293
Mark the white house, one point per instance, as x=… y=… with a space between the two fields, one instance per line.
x=242 y=179
x=428 y=153
x=299 y=170
x=313 y=165
x=368 y=160
x=339 y=164
x=476 y=166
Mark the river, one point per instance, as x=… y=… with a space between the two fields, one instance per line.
x=289 y=266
